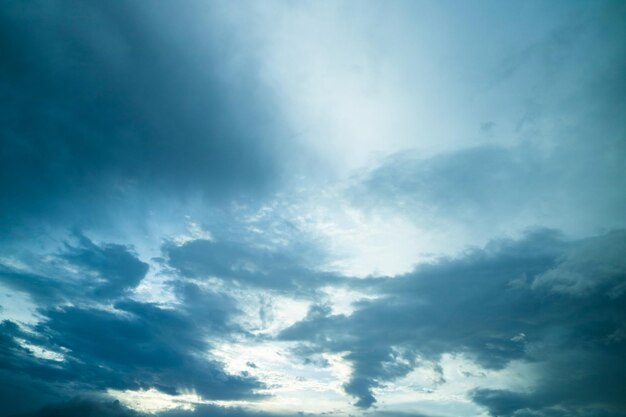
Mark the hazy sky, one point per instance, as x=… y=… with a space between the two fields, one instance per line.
x=339 y=208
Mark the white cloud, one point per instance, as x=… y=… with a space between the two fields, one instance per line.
x=153 y=401
x=40 y=352
x=444 y=391
x=291 y=383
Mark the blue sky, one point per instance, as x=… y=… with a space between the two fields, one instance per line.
x=340 y=208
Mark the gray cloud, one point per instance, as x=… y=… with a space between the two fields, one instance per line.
x=105 y=271
x=597 y=263
x=84 y=407
x=105 y=102
x=115 y=115
x=281 y=269
x=557 y=156
x=477 y=305
x=136 y=345
x=111 y=341
x=115 y=265
x=490 y=190
x=156 y=348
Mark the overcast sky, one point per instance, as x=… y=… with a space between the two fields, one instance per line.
x=338 y=208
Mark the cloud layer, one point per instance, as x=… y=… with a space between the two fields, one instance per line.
x=342 y=209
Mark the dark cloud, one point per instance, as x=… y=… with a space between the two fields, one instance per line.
x=501 y=402
x=596 y=264
x=41 y=287
x=133 y=346
x=154 y=347
x=84 y=407
x=120 y=344
x=484 y=305
x=512 y=404
x=494 y=305
x=25 y=379
x=98 y=272
x=107 y=103
x=259 y=266
x=114 y=265
x=23 y=394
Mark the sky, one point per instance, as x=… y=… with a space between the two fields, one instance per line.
x=313 y=208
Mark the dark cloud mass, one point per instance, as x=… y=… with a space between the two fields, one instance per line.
x=134 y=346
x=124 y=345
x=113 y=264
x=84 y=407
x=486 y=305
x=157 y=348
x=257 y=266
x=104 y=101
x=83 y=269
x=270 y=209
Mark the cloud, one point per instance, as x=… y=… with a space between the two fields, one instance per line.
x=479 y=163
x=478 y=305
x=107 y=104
x=513 y=404
x=273 y=268
x=500 y=402
x=94 y=406
x=107 y=340
x=598 y=263
x=556 y=154
x=115 y=265
x=84 y=407
x=494 y=305
x=156 y=348
x=81 y=270
x=484 y=192
x=25 y=379
x=132 y=346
